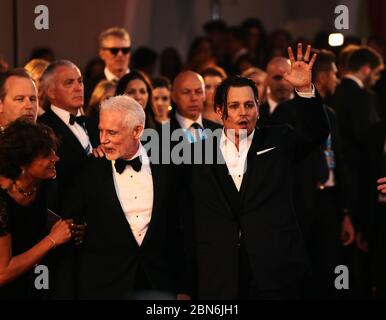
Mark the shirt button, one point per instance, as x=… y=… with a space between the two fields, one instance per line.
x=239 y=176
x=131 y=176
x=135 y=197
x=140 y=235
x=137 y=216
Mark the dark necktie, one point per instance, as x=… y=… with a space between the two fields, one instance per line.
x=195 y=125
x=121 y=164
x=79 y=120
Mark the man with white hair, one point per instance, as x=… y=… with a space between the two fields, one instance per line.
x=132 y=240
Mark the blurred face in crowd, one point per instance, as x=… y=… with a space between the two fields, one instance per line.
x=372 y=75
x=118 y=140
x=66 y=91
x=138 y=91
x=331 y=80
x=161 y=102
x=326 y=81
x=242 y=110
x=280 y=89
x=211 y=83
x=189 y=94
x=20 y=100
x=259 y=80
x=117 y=61
x=43 y=167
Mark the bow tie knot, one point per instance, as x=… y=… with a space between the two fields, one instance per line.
x=121 y=164
x=79 y=120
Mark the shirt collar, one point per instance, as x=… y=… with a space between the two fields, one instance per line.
x=358 y=81
x=111 y=76
x=224 y=140
x=64 y=115
x=186 y=123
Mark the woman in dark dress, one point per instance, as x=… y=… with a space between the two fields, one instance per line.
x=27 y=158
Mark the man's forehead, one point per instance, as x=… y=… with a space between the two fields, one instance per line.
x=112 y=40
x=190 y=82
x=16 y=83
x=68 y=71
x=240 y=93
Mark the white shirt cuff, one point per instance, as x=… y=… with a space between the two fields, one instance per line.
x=307 y=94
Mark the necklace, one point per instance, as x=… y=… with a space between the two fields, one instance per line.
x=23 y=192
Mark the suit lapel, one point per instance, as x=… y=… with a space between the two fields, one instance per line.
x=251 y=158
x=159 y=189
x=108 y=188
x=65 y=133
x=225 y=182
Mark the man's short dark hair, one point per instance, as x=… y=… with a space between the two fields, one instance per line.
x=363 y=56
x=18 y=72
x=161 y=82
x=221 y=95
x=21 y=142
x=323 y=63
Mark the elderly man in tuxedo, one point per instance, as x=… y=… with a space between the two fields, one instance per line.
x=246 y=239
x=132 y=244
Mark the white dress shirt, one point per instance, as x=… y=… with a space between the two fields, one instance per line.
x=135 y=193
x=235 y=159
x=79 y=131
x=111 y=76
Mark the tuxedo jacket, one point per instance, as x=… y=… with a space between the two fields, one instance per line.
x=309 y=171
x=356 y=113
x=253 y=230
x=110 y=257
x=70 y=151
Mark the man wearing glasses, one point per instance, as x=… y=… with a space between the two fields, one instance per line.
x=114 y=50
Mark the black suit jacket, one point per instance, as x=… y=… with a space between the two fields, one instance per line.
x=356 y=113
x=307 y=171
x=372 y=168
x=71 y=153
x=255 y=230
x=110 y=257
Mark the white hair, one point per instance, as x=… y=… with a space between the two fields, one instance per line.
x=132 y=111
x=48 y=76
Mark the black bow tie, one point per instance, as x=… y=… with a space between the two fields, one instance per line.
x=121 y=164
x=79 y=120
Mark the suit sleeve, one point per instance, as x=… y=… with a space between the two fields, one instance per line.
x=311 y=126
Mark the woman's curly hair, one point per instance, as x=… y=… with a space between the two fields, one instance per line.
x=21 y=143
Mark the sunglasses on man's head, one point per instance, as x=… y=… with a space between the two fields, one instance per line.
x=114 y=51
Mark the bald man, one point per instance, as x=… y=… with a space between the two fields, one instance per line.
x=188 y=95
x=279 y=90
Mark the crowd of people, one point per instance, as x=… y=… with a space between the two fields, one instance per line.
x=294 y=187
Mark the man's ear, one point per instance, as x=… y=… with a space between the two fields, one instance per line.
x=1 y=106
x=50 y=93
x=102 y=54
x=219 y=112
x=365 y=70
x=137 y=132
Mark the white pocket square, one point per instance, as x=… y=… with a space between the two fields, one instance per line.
x=265 y=151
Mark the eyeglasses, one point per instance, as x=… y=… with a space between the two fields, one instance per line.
x=114 y=51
